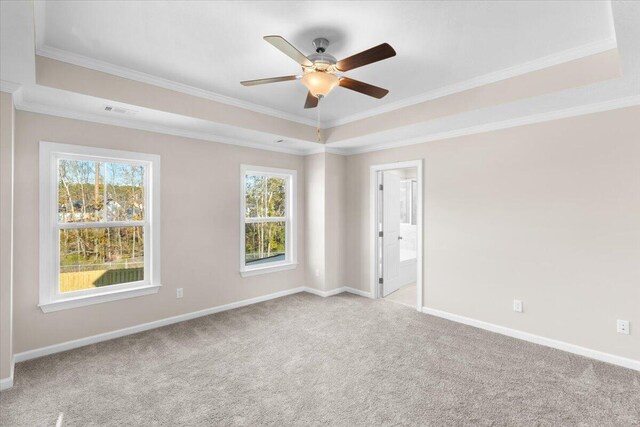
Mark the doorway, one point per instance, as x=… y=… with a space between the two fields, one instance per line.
x=396 y=232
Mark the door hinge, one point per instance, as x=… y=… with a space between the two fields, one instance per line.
x=380 y=233
x=380 y=187
x=380 y=280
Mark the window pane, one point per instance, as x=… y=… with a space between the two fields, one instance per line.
x=125 y=192
x=264 y=242
x=404 y=202
x=255 y=196
x=275 y=197
x=80 y=191
x=97 y=257
x=264 y=196
x=414 y=204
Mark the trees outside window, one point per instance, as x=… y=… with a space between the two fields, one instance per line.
x=98 y=231
x=267 y=218
x=100 y=192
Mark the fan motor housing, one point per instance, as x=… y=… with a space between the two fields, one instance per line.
x=320 y=59
x=324 y=58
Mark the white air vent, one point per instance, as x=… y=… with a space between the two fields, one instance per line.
x=119 y=110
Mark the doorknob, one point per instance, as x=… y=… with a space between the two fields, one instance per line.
x=399 y=237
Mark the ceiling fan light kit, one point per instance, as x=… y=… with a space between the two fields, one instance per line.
x=320 y=70
x=320 y=83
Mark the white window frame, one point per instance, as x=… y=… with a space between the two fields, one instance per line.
x=51 y=299
x=290 y=262
x=410 y=199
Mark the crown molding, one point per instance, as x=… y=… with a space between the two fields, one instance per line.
x=316 y=150
x=332 y=150
x=9 y=87
x=23 y=105
x=581 y=110
x=105 y=67
x=506 y=73
x=322 y=148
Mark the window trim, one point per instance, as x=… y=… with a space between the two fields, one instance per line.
x=50 y=298
x=291 y=255
x=411 y=199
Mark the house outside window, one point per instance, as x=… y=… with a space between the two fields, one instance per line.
x=99 y=225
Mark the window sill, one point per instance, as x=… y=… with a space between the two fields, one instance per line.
x=100 y=298
x=269 y=269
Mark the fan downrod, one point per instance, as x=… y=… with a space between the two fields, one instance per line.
x=320 y=44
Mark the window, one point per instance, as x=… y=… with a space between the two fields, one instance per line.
x=408 y=206
x=99 y=222
x=267 y=220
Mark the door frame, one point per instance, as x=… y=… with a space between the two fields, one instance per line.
x=374 y=200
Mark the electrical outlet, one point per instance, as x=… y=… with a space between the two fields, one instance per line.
x=517 y=305
x=179 y=293
x=623 y=327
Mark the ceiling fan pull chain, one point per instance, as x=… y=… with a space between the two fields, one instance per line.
x=318 y=128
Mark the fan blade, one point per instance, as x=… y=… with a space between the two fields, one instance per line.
x=287 y=48
x=311 y=102
x=271 y=80
x=368 y=56
x=366 y=88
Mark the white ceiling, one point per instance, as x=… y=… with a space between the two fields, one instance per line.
x=17 y=62
x=214 y=45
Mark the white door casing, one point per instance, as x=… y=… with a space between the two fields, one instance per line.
x=375 y=224
x=390 y=233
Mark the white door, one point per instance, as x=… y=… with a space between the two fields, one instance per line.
x=390 y=233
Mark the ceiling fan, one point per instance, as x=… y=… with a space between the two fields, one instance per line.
x=321 y=71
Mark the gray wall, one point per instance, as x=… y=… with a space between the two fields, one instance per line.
x=325 y=220
x=200 y=204
x=314 y=221
x=6 y=236
x=546 y=213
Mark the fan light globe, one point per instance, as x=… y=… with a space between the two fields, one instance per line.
x=320 y=83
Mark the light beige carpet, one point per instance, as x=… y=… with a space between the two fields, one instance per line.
x=405 y=295
x=303 y=360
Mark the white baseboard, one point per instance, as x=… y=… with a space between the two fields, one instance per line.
x=6 y=383
x=338 y=291
x=81 y=342
x=537 y=339
x=323 y=294
x=357 y=292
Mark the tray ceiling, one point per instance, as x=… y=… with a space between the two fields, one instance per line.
x=211 y=46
